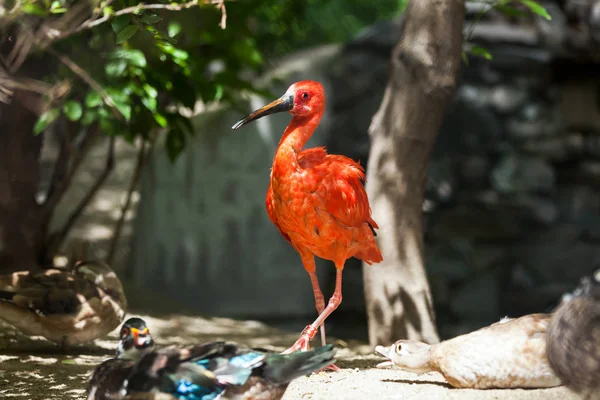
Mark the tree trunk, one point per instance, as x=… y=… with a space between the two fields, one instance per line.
x=21 y=226
x=424 y=71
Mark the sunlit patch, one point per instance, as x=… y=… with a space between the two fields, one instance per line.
x=40 y=360
x=60 y=261
x=103 y=205
x=7 y=358
x=96 y=232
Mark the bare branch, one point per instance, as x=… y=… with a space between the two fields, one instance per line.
x=59 y=237
x=77 y=70
x=82 y=150
x=91 y=23
x=142 y=157
x=221 y=6
x=58 y=181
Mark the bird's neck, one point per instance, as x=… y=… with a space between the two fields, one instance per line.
x=295 y=136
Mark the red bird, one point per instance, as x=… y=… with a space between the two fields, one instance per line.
x=316 y=200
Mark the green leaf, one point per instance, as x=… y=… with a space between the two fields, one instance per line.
x=187 y=124
x=133 y=56
x=93 y=99
x=127 y=33
x=150 y=19
x=69 y=361
x=175 y=143
x=119 y=23
x=510 y=10
x=482 y=52
x=465 y=58
x=33 y=9
x=115 y=68
x=89 y=117
x=124 y=109
x=174 y=29
x=45 y=120
x=72 y=110
x=150 y=103
x=160 y=120
x=536 y=9
x=150 y=91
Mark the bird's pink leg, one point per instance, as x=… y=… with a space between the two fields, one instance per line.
x=303 y=343
x=308 y=260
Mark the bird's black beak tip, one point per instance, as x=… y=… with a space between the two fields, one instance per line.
x=237 y=125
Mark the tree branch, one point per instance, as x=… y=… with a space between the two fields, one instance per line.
x=142 y=157
x=59 y=237
x=58 y=181
x=91 y=23
x=80 y=72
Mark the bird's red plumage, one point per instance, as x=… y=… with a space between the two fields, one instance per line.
x=316 y=200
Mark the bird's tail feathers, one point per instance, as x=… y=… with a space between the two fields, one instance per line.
x=283 y=368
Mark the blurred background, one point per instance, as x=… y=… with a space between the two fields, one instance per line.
x=512 y=209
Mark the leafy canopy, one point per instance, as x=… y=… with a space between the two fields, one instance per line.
x=137 y=67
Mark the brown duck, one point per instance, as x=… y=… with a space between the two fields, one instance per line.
x=508 y=354
x=574 y=339
x=67 y=306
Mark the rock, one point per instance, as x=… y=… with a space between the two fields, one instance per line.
x=516 y=173
x=506 y=99
x=478 y=299
x=475 y=222
x=474 y=170
x=558 y=148
x=533 y=121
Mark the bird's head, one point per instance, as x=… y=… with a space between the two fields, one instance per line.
x=409 y=355
x=302 y=99
x=135 y=340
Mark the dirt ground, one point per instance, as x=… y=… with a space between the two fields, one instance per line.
x=33 y=369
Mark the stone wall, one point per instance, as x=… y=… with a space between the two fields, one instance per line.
x=512 y=210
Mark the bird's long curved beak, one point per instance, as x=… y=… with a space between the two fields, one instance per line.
x=284 y=103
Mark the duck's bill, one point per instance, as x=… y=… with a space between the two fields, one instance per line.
x=385 y=364
x=384 y=351
x=284 y=103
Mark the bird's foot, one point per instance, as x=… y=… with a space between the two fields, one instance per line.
x=303 y=344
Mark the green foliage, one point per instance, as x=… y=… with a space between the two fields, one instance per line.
x=513 y=8
x=150 y=64
x=147 y=65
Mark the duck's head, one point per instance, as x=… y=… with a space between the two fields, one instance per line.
x=135 y=340
x=410 y=355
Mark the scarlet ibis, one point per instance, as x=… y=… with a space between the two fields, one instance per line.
x=316 y=200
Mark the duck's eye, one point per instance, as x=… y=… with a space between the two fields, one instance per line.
x=398 y=347
x=124 y=333
x=305 y=96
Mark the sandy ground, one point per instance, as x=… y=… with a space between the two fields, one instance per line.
x=34 y=369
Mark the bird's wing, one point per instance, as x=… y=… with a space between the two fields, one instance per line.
x=109 y=378
x=48 y=292
x=336 y=184
x=59 y=303
x=272 y=215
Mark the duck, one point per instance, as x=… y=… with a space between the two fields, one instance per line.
x=68 y=306
x=574 y=338
x=214 y=370
x=510 y=353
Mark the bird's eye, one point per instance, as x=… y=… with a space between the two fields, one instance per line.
x=124 y=333
x=305 y=96
x=398 y=347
